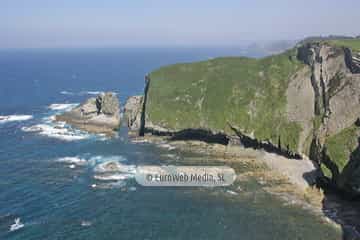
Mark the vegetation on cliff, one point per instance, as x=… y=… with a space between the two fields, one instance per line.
x=353 y=44
x=341 y=145
x=303 y=101
x=246 y=93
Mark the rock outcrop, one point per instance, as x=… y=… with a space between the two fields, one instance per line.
x=336 y=85
x=97 y=115
x=303 y=102
x=132 y=112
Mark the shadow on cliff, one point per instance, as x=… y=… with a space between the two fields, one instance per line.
x=249 y=142
x=201 y=135
x=343 y=205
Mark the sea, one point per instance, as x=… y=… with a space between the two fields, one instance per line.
x=51 y=183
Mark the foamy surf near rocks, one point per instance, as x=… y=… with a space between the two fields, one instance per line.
x=99 y=114
x=114 y=166
x=15 y=118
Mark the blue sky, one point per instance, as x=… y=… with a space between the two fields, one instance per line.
x=109 y=23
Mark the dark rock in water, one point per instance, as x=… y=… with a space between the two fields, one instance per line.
x=132 y=111
x=98 y=115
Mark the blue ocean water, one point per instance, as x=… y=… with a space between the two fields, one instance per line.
x=48 y=172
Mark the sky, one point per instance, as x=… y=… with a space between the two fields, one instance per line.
x=125 y=23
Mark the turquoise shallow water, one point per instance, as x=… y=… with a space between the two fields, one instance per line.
x=47 y=171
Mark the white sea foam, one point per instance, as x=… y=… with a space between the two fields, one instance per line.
x=81 y=93
x=58 y=130
x=72 y=160
x=167 y=146
x=66 y=93
x=15 y=118
x=62 y=106
x=113 y=177
x=112 y=184
x=111 y=168
x=115 y=166
x=49 y=119
x=171 y=156
x=232 y=192
x=94 y=160
x=139 y=140
x=86 y=223
x=17 y=225
x=91 y=93
x=100 y=163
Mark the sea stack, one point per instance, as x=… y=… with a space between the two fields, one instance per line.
x=132 y=111
x=99 y=114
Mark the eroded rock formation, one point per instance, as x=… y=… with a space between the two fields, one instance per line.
x=132 y=112
x=98 y=115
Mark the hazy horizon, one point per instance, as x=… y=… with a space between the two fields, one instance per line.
x=160 y=23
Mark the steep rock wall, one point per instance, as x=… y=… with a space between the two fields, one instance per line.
x=335 y=80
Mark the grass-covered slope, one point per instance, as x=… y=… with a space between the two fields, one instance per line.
x=353 y=44
x=247 y=93
x=341 y=145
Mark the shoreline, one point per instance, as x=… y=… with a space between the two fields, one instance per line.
x=293 y=170
x=268 y=171
x=279 y=176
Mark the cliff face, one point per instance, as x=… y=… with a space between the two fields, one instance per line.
x=335 y=79
x=132 y=111
x=301 y=102
x=225 y=94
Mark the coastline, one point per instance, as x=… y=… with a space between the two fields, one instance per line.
x=277 y=175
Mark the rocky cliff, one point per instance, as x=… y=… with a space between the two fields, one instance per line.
x=335 y=79
x=132 y=113
x=98 y=115
x=304 y=101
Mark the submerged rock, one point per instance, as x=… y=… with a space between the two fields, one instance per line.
x=98 y=115
x=114 y=166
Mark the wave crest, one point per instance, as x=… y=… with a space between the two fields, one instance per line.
x=62 y=106
x=58 y=131
x=15 y=118
x=74 y=160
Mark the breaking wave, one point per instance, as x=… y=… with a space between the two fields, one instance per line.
x=15 y=118
x=91 y=93
x=62 y=106
x=100 y=163
x=110 y=170
x=115 y=166
x=57 y=130
x=81 y=93
x=113 y=177
x=66 y=93
x=97 y=160
x=73 y=160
